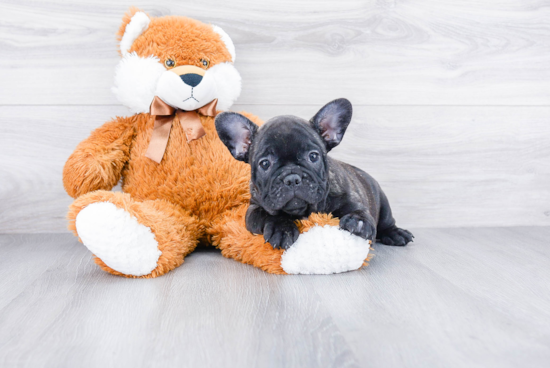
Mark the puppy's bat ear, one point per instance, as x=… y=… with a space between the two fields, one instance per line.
x=332 y=121
x=237 y=133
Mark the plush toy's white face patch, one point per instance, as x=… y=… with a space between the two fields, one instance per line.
x=139 y=79
x=192 y=90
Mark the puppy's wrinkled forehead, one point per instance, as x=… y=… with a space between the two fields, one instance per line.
x=284 y=136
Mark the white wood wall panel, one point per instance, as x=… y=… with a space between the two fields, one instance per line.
x=440 y=166
x=294 y=52
x=452 y=99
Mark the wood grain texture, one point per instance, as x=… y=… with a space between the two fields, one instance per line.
x=444 y=96
x=445 y=301
x=490 y=52
x=439 y=166
x=467 y=297
x=452 y=116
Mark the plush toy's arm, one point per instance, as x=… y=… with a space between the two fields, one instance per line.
x=97 y=161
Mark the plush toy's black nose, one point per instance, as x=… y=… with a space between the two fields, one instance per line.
x=191 y=79
x=292 y=180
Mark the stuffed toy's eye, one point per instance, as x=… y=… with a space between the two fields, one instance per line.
x=264 y=164
x=314 y=156
x=169 y=63
x=205 y=63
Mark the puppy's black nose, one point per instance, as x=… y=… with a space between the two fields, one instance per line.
x=191 y=79
x=292 y=180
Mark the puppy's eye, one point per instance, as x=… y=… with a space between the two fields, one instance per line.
x=313 y=156
x=169 y=63
x=264 y=164
x=205 y=63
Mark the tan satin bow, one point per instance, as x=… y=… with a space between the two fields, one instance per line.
x=164 y=116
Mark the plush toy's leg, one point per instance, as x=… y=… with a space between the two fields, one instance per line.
x=131 y=238
x=230 y=235
x=322 y=248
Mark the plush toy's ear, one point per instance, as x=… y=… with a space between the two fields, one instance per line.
x=332 y=121
x=227 y=40
x=134 y=23
x=237 y=133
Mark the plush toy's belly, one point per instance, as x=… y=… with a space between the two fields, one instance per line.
x=201 y=176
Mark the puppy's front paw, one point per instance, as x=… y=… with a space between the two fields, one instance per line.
x=281 y=233
x=359 y=225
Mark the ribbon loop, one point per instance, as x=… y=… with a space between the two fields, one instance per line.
x=164 y=116
x=159 y=107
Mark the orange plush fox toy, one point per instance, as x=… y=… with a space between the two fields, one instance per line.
x=181 y=187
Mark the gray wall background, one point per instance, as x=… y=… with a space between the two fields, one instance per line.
x=452 y=99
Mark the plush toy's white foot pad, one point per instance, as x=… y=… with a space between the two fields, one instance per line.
x=118 y=239
x=325 y=250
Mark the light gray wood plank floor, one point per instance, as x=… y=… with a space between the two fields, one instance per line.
x=470 y=297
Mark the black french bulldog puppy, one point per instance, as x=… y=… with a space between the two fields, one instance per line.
x=292 y=176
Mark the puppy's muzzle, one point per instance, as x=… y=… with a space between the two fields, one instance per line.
x=189 y=74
